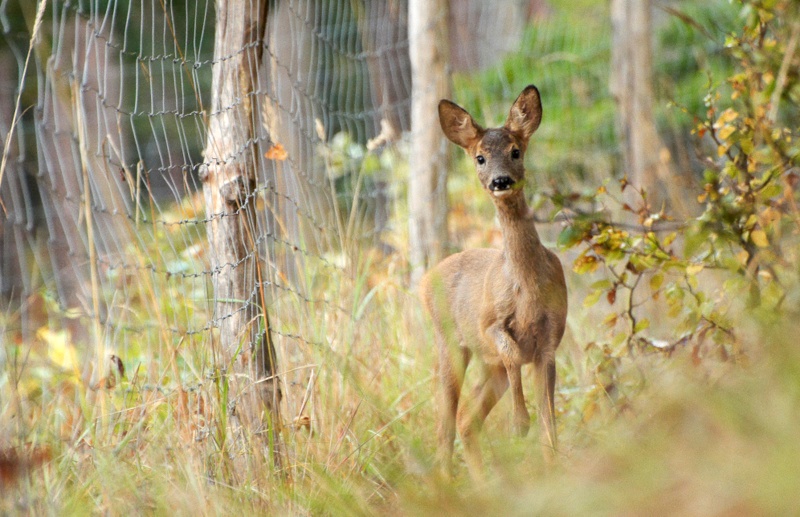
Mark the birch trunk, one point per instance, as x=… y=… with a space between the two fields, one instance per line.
x=430 y=78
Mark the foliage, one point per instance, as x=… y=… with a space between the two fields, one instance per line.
x=744 y=235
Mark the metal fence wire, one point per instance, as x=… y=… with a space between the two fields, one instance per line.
x=104 y=224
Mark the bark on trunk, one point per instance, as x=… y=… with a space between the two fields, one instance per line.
x=229 y=181
x=427 y=191
x=645 y=158
x=16 y=210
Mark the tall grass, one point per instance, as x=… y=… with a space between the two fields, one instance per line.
x=655 y=433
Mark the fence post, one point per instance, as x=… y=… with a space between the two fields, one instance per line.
x=229 y=181
x=430 y=80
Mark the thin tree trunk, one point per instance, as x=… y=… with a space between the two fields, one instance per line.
x=646 y=161
x=16 y=210
x=229 y=181
x=427 y=190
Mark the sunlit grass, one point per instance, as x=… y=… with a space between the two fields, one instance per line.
x=685 y=433
x=699 y=437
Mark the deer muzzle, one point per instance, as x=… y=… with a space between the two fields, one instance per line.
x=504 y=185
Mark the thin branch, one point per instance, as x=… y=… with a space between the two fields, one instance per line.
x=685 y=18
x=783 y=72
x=15 y=119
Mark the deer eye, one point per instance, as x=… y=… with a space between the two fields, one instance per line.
x=480 y=159
x=515 y=154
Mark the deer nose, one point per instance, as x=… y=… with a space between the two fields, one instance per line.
x=501 y=183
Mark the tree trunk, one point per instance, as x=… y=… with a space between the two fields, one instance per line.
x=430 y=78
x=16 y=210
x=229 y=180
x=646 y=160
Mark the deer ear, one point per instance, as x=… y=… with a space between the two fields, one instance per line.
x=526 y=113
x=458 y=125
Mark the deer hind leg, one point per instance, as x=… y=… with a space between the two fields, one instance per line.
x=545 y=372
x=450 y=370
x=471 y=417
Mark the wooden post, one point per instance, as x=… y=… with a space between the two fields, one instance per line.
x=229 y=181
x=430 y=78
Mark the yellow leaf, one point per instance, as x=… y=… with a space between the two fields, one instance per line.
x=759 y=238
x=59 y=350
x=693 y=269
x=610 y=320
x=585 y=264
x=768 y=216
x=742 y=257
x=726 y=132
x=729 y=115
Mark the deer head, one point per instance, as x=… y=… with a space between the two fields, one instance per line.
x=498 y=153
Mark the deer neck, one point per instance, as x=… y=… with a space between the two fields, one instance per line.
x=522 y=248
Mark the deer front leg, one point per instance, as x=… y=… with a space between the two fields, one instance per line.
x=509 y=353
x=545 y=372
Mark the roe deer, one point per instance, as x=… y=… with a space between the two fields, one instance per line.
x=507 y=307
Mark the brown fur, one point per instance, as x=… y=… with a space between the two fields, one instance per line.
x=506 y=307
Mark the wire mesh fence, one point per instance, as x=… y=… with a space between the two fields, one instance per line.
x=149 y=213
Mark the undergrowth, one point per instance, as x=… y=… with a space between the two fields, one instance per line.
x=694 y=412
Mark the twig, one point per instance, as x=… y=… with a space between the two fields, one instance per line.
x=15 y=119
x=783 y=72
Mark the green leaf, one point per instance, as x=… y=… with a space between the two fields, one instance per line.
x=656 y=281
x=693 y=269
x=570 y=236
x=592 y=298
x=643 y=262
x=602 y=284
x=641 y=325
